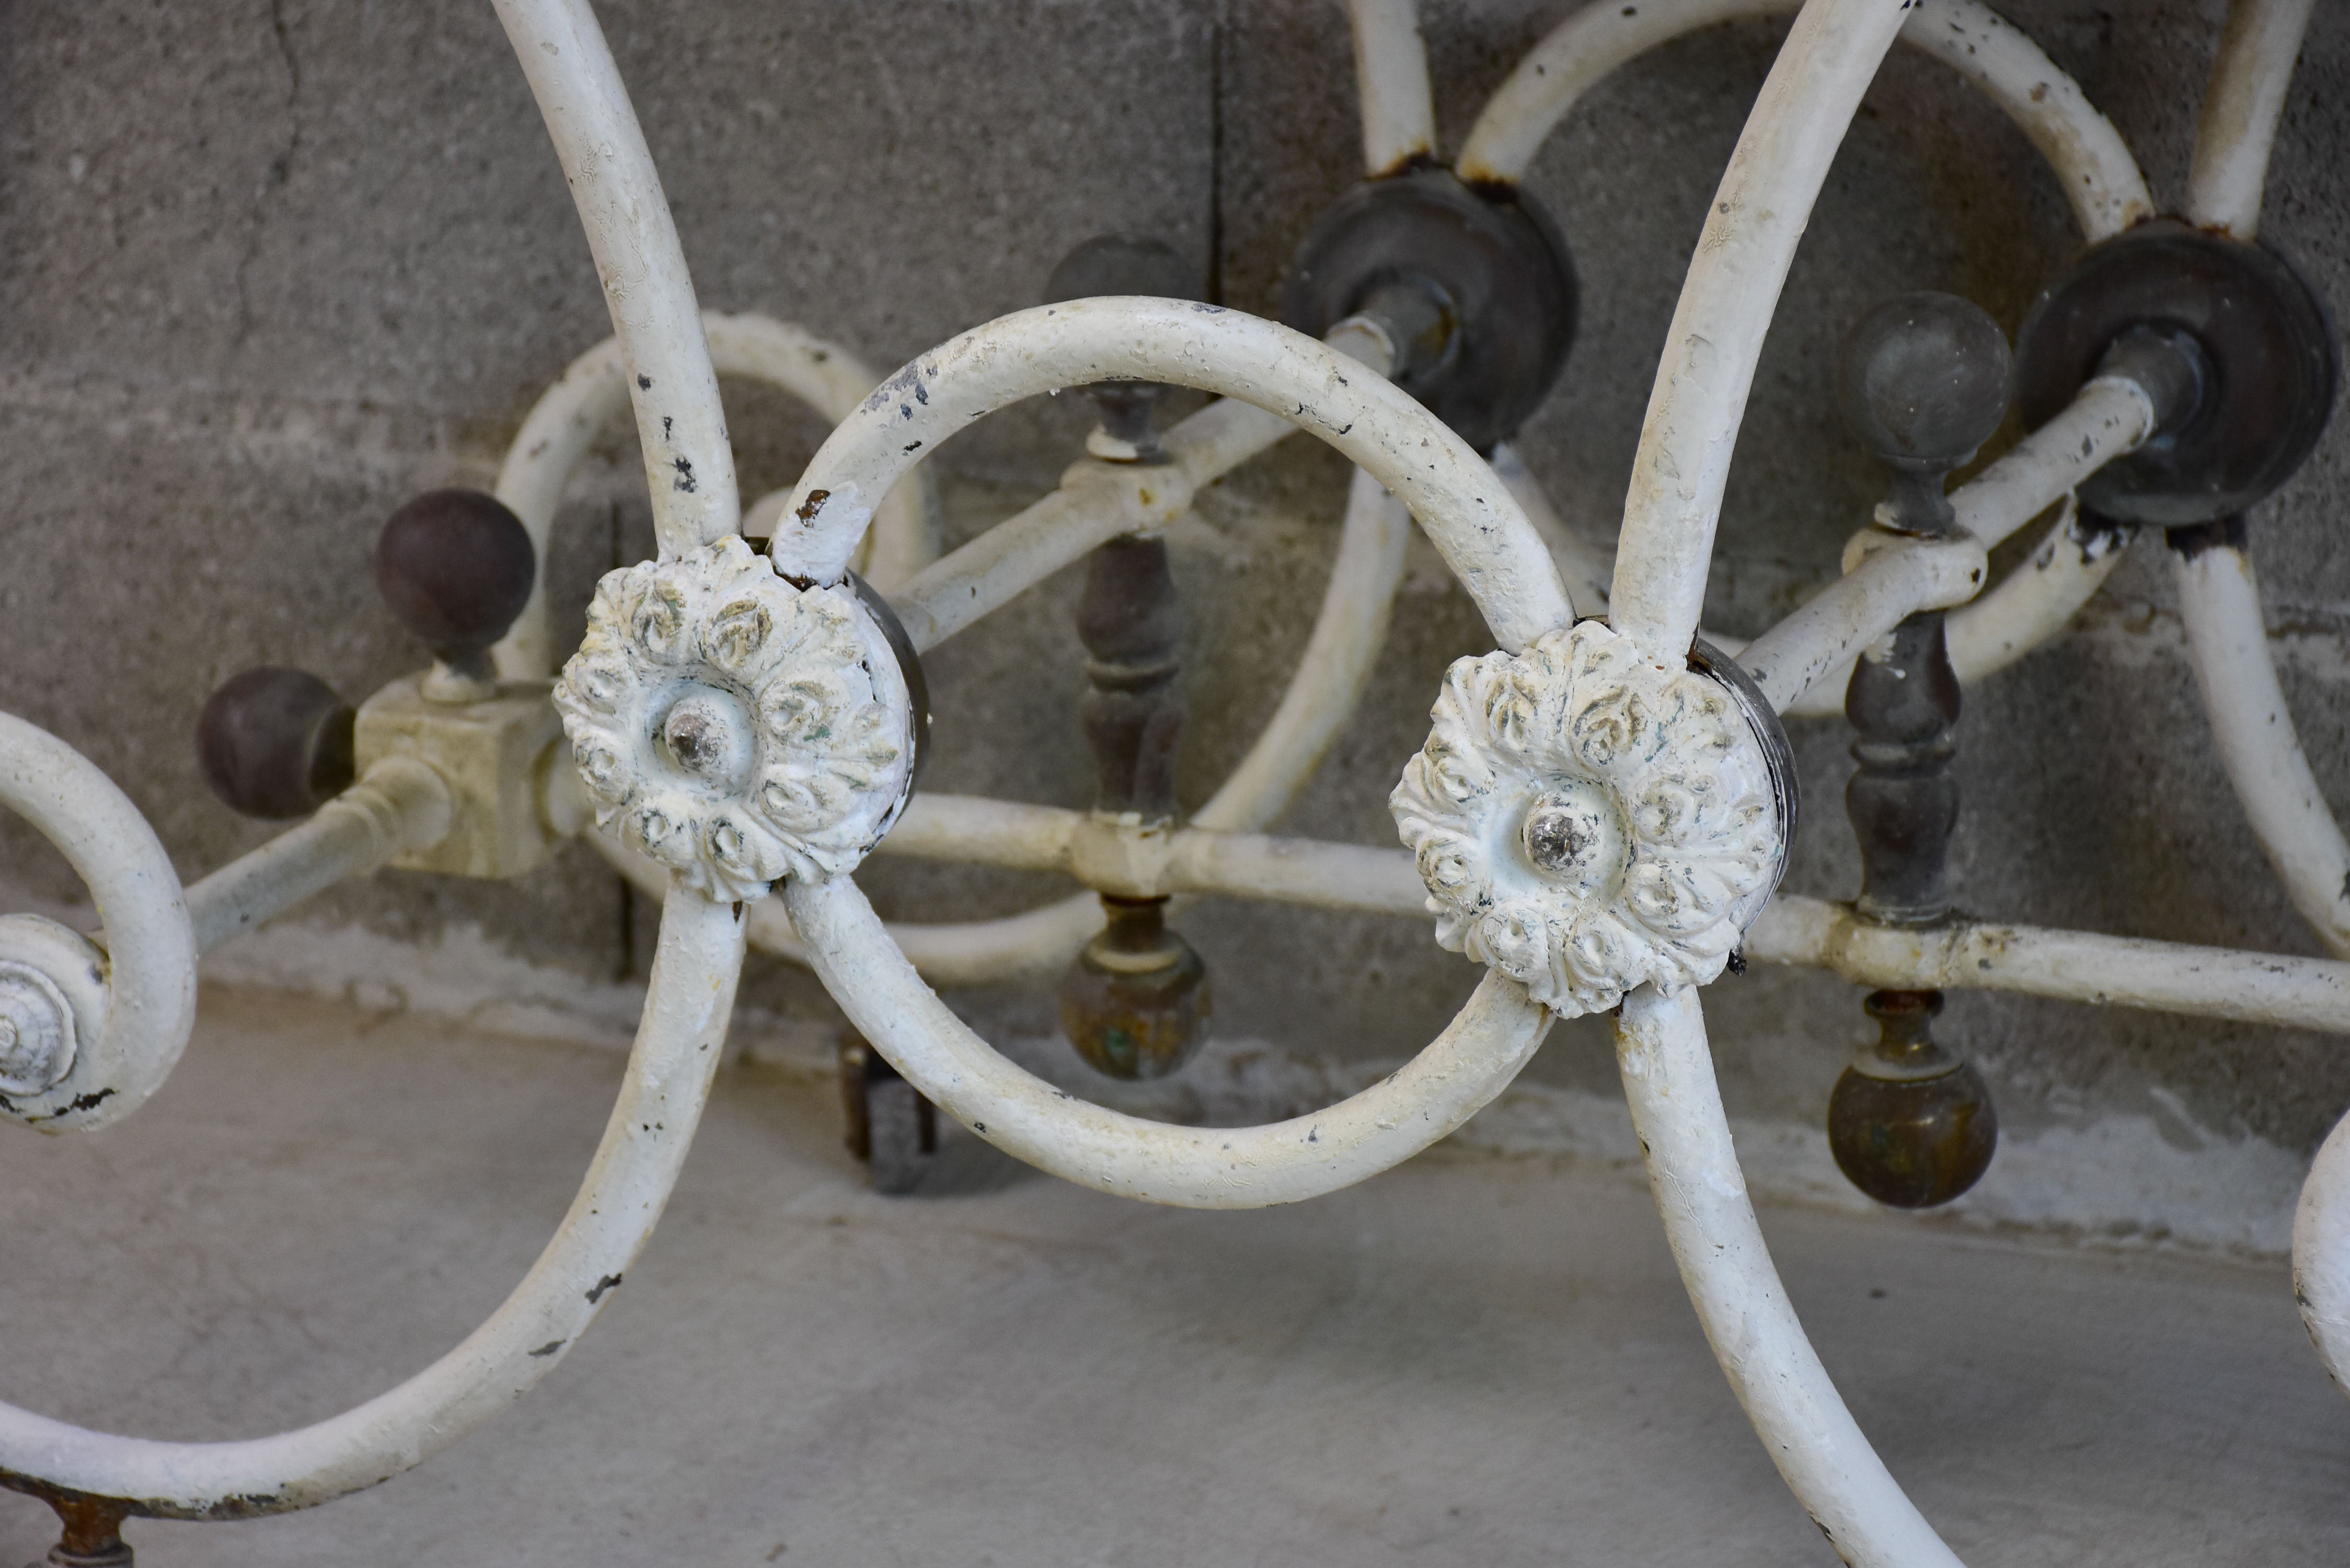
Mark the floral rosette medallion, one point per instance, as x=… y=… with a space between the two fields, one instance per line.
x=1589 y=819
x=734 y=727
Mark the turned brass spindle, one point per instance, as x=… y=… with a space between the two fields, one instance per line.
x=1136 y=1002
x=1924 y=381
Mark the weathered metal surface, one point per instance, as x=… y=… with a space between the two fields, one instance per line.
x=1131 y=624
x=1124 y=264
x=1922 y=379
x=1467 y=513
x=36 y=1031
x=134 y=999
x=1726 y=299
x=1590 y=820
x=1909 y=1123
x=2238 y=125
x=1474 y=285
x=457 y=568
x=2092 y=165
x=672 y=383
x=593 y=389
x=1137 y=1001
x=735 y=727
x=1474 y=1060
x=666 y=1084
x=1902 y=799
x=1485 y=538
x=2259 y=324
x=90 y=1534
x=405 y=805
x=1811 y=1437
x=276 y=742
x=492 y=751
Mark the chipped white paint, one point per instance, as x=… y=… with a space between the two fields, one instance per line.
x=2241 y=105
x=1391 y=88
x=132 y=995
x=2226 y=640
x=689 y=466
x=2036 y=600
x=2108 y=418
x=1701 y=1192
x=2026 y=608
x=1726 y=303
x=2075 y=966
x=1321 y=698
x=735 y=728
x=1098 y=501
x=1485 y=1046
x=492 y=750
x=759 y=725
x=636 y=1164
x=570 y=414
x=149 y=971
x=2092 y=162
x=1589 y=819
x=1587 y=567
x=1888 y=578
x=1468 y=513
x=400 y=803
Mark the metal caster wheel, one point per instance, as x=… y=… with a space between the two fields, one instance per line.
x=891 y=1127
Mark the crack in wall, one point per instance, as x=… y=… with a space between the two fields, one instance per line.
x=281 y=170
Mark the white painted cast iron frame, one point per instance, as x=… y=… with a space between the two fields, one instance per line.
x=679 y=1042
x=1829 y=58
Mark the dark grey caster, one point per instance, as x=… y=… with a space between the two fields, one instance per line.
x=2251 y=388
x=891 y=1127
x=1474 y=285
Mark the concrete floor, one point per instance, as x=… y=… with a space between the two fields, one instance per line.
x=1468 y=1361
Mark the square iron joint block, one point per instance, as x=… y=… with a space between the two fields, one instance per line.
x=494 y=753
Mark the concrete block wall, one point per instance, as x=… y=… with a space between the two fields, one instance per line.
x=269 y=267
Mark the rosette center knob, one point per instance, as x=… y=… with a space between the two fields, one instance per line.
x=708 y=736
x=1574 y=832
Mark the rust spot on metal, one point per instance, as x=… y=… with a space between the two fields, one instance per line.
x=91 y=1536
x=1136 y=1002
x=1909 y=1123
